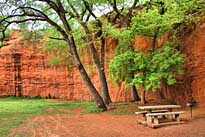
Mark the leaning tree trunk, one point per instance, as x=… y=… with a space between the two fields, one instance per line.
x=71 y=42
x=104 y=88
x=103 y=82
x=100 y=66
x=99 y=101
x=99 y=61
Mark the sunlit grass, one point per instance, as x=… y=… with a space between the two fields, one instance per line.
x=13 y=111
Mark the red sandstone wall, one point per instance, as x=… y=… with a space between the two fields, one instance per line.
x=194 y=48
x=32 y=76
x=37 y=78
x=192 y=83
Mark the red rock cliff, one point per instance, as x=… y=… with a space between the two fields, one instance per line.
x=26 y=72
x=192 y=83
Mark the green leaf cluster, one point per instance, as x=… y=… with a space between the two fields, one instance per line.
x=147 y=23
x=165 y=17
x=57 y=48
x=149 y=70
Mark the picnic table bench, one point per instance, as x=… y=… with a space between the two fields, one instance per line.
x=145 y=112
x=156 y=116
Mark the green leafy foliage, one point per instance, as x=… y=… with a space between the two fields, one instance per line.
x=159 y=17
x=149 y=70
x=148 y=22
x=58 y=49
x=121 y=66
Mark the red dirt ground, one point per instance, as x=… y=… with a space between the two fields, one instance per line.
x=105 y=125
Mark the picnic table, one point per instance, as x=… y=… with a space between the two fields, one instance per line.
x=159 y=115
x=159 y=107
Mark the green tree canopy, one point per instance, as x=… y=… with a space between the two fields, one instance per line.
x=155 y=19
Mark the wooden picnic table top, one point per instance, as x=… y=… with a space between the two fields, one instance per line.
x=159 y=107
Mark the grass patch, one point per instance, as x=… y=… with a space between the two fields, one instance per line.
x=123 y=108
x=93 y=109
x=13 y=111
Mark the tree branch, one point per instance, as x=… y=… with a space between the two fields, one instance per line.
x=17 y=22
x=83 y=12
x=114 y=6
x=87 y=6
x=37 y=14
x=56 y=38
x=74 y=10
x=51 y=4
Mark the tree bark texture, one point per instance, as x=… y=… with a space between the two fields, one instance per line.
x=100 y=67
x=135 y=96
x=133 y=90
x=71 y=42
x=99 y=61
x=104 y=86
x=143 y=101
x=86 y=78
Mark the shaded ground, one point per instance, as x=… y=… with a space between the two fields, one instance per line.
x=105 y=125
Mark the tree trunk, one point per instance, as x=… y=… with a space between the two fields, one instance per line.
x=133 y=90
x=104 y=88
x=99 y=61
x=100 y=66
x=155 y=39
x=135 y=96
x=143 y=101
x=71 y=42
x=123 y=21
x=99 y=101
x=103 y=82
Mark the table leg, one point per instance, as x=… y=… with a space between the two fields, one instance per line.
x=176 y=116
x=145 y=118
x=170 y=116
x=149 y=120
x=156 y=120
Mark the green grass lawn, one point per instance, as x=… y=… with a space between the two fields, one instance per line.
x=13 y=111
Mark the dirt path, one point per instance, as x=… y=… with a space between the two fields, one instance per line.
x=103 y=125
